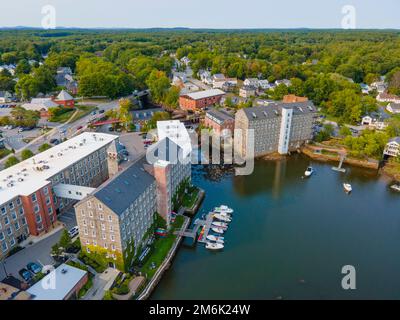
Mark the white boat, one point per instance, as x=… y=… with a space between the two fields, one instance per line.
x=309 y=172
x=395 y=187
x=218 y=230
x=214 y=246
x=347 y=187
x=211 y=237
x=220 y=224
x=223 y=209
x=222 y=217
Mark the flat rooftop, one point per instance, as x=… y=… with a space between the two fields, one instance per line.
x=205 y=94
x=57 y=284
x=32 y=174
x=176 y=132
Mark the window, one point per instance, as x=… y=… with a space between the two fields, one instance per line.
x=91 y=214
x=21 y=211
x=6 y=220
x=33 y=197
x=47 y=200
x=100 y=206
x=1 y=236
x=14 y=215
x=4 y=246
x=11 y=205
x=12 y=242
x=19 y=201
x=3 y=210
x=82 y=212
x=101 y=216
x=110 y=218
x=46 y=191
x=9 y=231
x=36 y=208
x=16 y=226
x=50 y=210
x=89 y=204
x=112 y=237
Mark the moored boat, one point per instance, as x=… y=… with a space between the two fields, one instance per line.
x=211 y=237
x=214 y=246
x=220 y=224
x=347 y=187
x=218 y=230
x=309 y=172
x=222 y=217
x=223 y=208
x=395 y=187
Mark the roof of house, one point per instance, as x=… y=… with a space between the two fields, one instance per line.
x=221 y=115
x=205 y=94
x=396 y=139
x=32 y=174
x=39 y=104
x=119 y=192
x=394 y=106
x=64 y=96
x=275 y=109
x=64 y=279
x=5 y=94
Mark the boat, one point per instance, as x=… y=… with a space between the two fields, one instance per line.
x=395 y=187
x=309 y=172
x=217 y=239
x=222 y=217
x=218 y=230
x=214 y=246
x=220 y=224
x=224 y=209
x=347 y=187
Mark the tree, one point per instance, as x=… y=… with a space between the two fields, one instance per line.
x=124 y=114
x=44 y=147
x=23 y=67
x=11 y=161
x=345 y=131
x=26 y=154
x=158 y=84
x=325 y=134
x=172 y=97
x=65 y=240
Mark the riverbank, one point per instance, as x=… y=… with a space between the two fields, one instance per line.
x=326 y=154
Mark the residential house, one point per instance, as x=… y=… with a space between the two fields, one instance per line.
x=251 y=82
x=286 y=82
x=9 y=67
x=379 y=86
x=65 y=99
x=392 y=148
x=247 y=92
x=205 y=77
x=5 y=97
x=42 y=105
x=291 y=98
x=387 y=97
x=393 y=107
x=65 y=79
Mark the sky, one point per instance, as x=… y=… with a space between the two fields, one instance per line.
x=218 y=14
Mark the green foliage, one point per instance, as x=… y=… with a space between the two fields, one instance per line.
x=325 y=133
x=345 y=131
x=369 y=144
x=26 y=154
x=11 y=161
x=24 y=118
x=44 y=147
x=157 y=116
x=40 y=80
x=108 y=295
x=158 y=84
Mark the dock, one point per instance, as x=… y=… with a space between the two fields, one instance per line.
x=192 y=233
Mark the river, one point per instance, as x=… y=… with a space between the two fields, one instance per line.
x=290 y=237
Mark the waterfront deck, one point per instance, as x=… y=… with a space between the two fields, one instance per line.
x=192 y=233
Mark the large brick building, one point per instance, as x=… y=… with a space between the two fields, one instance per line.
x=222 y=122
x=34 y=191
x=199 y=100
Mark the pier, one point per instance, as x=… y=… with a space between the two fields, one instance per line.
x=192 y=233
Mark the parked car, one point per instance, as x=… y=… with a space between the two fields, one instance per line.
x=25 y=274
x=79 y=128
x=34 y=267
x=73 y=232
x=125 y=152
x=54 y=141
x=101 y=111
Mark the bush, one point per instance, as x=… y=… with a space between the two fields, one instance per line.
x=122 y=289
x=44 y=147
x=108 y=295
x=26 y=154
x=11 y=161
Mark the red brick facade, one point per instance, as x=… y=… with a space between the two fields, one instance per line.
x=219 y=127
x=187 y=103
x=66 y=103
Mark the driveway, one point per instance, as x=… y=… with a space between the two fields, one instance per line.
x=68 y=218
x=38 y=252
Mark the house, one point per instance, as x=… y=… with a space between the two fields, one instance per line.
x=365 y=89
x=63 y=283
x=387 y=97
x=291 y=98
x=251 y=82
x=379 y=86
x=393 y=107
x=65 y=99
x=221 y=121
x=201 y=99
x=228 y=86
x=8 y=67
x=9 y=292
x=205 y=76
x=42 y=105
x=247 y=92
x=185 y=60
x=65 y=79
x=218 y=80
x=179 y=78
x=264 y=84
x=5 y=97
x=392 y=148
x=374 y=123
x=366 y=120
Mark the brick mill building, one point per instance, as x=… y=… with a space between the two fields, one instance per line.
x=197 y=101
x=222 y=122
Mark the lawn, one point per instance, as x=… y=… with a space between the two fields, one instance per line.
x=161 y=248
x=82 y=111
x=63 y=117
x=189 y=199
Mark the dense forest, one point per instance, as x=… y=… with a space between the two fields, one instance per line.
x=326 y=66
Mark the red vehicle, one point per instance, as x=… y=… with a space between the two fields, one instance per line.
x=79 y=128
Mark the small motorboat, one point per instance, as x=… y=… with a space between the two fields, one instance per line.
x=218 y=230
x=395 y=187
x=220 y=224
x=224 y=209
x=214 y=246
x=222 y=217
x=309 y=172
x=211 y=237
x=347 y=187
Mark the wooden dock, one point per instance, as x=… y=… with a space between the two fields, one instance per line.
x=192 y=233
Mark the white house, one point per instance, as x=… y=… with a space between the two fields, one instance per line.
x=286 y=82
x=379 y=86
x=9 y=67
x=393 y=107
x=366 y=121
x=205 y=76
x=185 y=60
x=5 y=97
x=247 y=91
x=264 y=84
x=392 y=148
x=387 y=97
x=252 y=82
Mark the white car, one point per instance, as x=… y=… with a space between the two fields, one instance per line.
x=73 y=232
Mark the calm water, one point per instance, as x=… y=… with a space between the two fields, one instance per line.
x=287 y=229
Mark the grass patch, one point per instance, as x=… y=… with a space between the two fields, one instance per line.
x=4 y=153
x=161 y=247
x=189 y=199
x=82 y=111
x=62 y=117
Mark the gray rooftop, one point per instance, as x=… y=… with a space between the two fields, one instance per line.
x=396 y=139
x=275 y=109
x=119 y=192
x=221 y=115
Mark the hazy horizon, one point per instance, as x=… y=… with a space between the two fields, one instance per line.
x=205 y=14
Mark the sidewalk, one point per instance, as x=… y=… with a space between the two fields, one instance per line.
x=31 y=240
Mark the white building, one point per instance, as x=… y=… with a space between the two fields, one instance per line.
x=252 y=82
x=386 y=97
x=393 y=108
x=393 y=147
x=176 y=132
x=5 y=97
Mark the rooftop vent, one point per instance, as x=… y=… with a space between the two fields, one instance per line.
x=301 y=109
x=265 y=114
x=276 y=112
x=254 y=115
x=64 y=271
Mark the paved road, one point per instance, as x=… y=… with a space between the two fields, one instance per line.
x=38 y=252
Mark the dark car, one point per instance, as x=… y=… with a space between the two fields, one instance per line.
x=25 y=274
x=34 y=267
x=79 y=128
x=101 y=111
x=54 y=141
